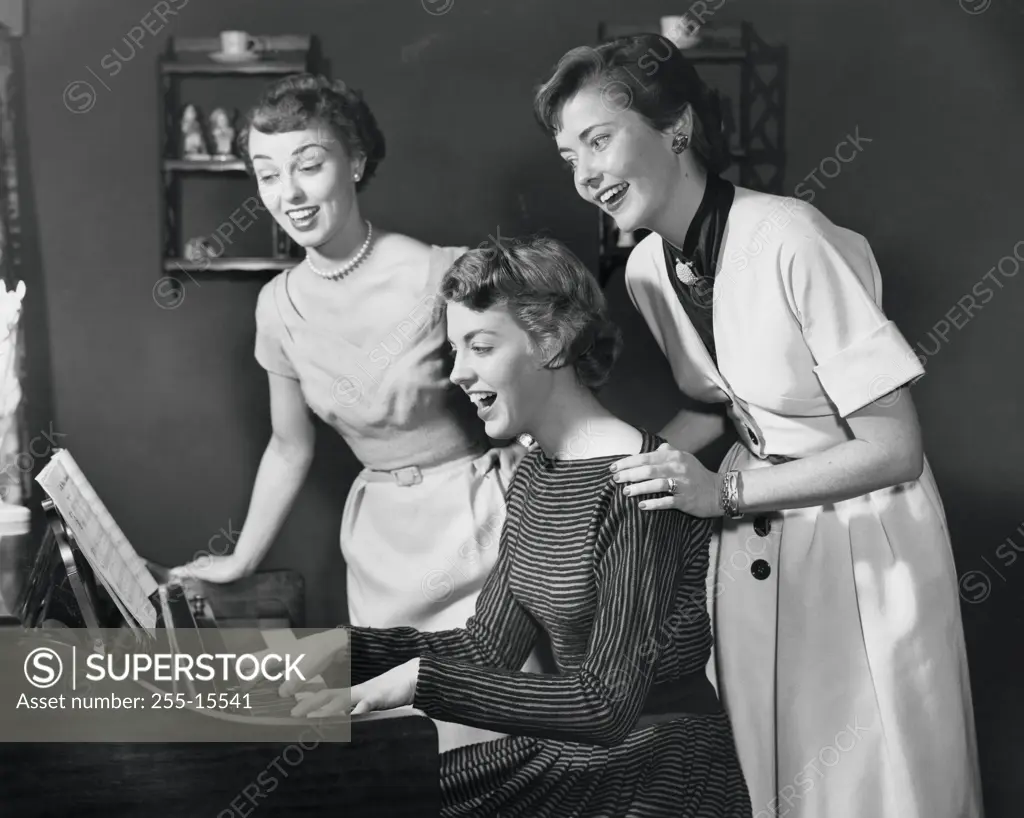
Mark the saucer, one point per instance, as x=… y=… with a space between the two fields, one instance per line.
x=234 y=56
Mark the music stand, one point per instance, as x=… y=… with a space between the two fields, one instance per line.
x=60 y=564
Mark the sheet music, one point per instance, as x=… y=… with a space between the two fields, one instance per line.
x=120 y=606
x=112 y=557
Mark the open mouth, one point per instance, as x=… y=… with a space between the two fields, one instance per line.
x=303 y=216
x=483 y=400
x=613 y=196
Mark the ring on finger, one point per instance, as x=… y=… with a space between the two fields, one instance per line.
x=673 y=487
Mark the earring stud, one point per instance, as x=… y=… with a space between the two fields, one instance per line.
x=680 y=143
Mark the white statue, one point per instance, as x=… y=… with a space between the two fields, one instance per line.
x=223 y=134
x=193 y=145
x=15 y=548
x=10 y=392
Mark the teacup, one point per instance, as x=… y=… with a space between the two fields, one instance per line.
x=237 y=42
x=681 y=29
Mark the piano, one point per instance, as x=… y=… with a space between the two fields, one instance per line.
x=266 y=765
x=390 y=768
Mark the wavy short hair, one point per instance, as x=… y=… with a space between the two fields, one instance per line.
x=550 y=293
x=645 y=72
x=294 y=102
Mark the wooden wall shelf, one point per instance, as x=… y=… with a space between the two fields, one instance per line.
x=251 y=68
x=204 y=166
x=229 y=265
x=187 y=57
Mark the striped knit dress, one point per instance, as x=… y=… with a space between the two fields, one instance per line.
x=629 y=725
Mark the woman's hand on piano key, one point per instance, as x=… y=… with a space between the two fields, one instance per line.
x=395 y=688
x=319 y=652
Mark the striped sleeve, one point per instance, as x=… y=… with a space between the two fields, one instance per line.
x=638 y=563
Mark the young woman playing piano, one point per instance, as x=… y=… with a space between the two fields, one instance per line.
x=351 y=334
x=629 y=725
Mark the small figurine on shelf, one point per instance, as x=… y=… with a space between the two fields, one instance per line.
x=223 y=134
x=199 y=251
x=193 y=144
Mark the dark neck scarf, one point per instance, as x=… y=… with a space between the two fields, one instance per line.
x=692 y=268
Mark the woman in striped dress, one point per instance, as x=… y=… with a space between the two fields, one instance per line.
x=629 y=725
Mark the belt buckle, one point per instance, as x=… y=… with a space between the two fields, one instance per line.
x=408 y=476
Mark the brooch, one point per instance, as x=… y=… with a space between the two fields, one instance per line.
x=685 y=272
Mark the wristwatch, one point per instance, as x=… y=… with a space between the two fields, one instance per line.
x=729 y=499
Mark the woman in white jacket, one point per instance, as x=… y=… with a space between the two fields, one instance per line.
x=840 y=653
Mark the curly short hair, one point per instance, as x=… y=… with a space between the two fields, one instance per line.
x=645 y=72
x=550 y=293
x=292 y=103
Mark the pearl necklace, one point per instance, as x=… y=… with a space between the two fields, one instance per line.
x=348 y=266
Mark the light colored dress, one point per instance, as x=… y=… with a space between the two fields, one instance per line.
x=839 y=654
x=421 y=522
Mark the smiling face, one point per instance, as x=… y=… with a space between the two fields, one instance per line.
x=500 y=369
x=619 y=162
x=305 y=180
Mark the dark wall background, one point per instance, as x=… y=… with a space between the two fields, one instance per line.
x=166 y=409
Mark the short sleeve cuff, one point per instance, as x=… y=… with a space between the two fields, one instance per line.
x=274 y=363
x=270 y=328
x=868 y=369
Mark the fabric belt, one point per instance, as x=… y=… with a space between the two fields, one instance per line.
x=413 y=475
